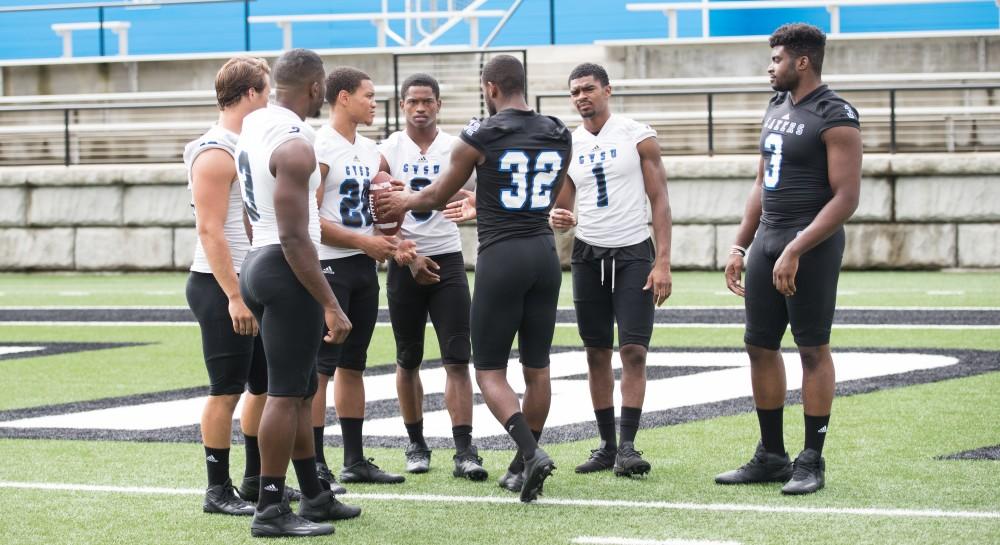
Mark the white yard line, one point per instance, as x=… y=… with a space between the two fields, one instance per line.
x=434 y=498
x=593 y=540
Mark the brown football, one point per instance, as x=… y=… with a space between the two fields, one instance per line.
x=380 y=184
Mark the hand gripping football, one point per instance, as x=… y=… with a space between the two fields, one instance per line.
x=380 y=184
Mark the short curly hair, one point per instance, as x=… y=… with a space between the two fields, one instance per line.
x=344 y=78
x=801 y=40
x=590 y=69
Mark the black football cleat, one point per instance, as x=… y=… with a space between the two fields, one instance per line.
x=629 y=461
x=367 y=472
x=326 y=506
x=764 y=467
x=278 y=520
x=418 y=458
x=536 y=470
x=808 y=474
x=469 y=465
x=250 y=490
x=601 y=459
x=222 y=498
x=326 y=476
x=511 y=481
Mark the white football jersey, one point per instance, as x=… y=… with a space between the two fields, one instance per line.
x=345 y=191
x=263 y=131
x=236 y=236
x=431 y=231
x=610 y=194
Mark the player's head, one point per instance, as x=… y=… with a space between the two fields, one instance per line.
x=589 y=89
x=796 y=51
x=351 y=92
x=420 y=100
x=243 y=82
x=503 y=77
x=298 y=75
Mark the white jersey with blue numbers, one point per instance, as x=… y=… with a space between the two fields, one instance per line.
x=611 y=198
x=236 y=236
x=345 y=191
x=431 y=231
x=263 y=131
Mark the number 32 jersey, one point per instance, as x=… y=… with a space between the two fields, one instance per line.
x=610 y=192
x=796 y=182
x=345 y=193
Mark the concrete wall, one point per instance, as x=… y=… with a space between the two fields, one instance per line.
x=918 y=211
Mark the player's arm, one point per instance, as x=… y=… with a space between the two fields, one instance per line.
x=212 y=176
x=654 y=177
x=377 y=247
x=561 y=217
x=464 y=159
x=744 y=235
x=843 y=155
x=292 y=164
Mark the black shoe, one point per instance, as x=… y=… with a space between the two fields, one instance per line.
x=765 y=467
x=629 y=461
x=469 y=465
x=536 y=470
x=325 y=475
x=808 y=475
x=278 y=520
x=601 y=459
x=250 y=490
x=511 y=481
x=367 y=472
x=418 y=458
x=326 y=507
x=222 y=498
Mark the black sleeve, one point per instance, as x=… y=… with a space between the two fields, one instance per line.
x=838 y=113
x=471 y=135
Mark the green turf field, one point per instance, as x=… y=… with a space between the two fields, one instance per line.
x=884 y=481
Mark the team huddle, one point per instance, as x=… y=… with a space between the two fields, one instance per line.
x=293 y=223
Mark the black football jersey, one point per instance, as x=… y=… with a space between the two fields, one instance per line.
x=796 y=185
x=516 y=185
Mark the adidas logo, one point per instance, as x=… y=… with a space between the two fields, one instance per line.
x=596 y=148
x=271 y=488
x=785 y=117
x=328 y=270
x=356 y=160
x=822 y=430
x=510 y=428
x=211 y=458
x=423 y=159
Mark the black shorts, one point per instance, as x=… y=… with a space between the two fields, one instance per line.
x=291 y=321
x=232 y=360
x=447 y=302
x=607 y=287
x=810 y=310
x=355 y=283
x=516 y=292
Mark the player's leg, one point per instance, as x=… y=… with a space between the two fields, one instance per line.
x=253 y=406
x=408 y=314
x=766 y=320
x=326 y=365
x=811 y=312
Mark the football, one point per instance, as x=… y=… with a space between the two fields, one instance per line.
x=380 y=184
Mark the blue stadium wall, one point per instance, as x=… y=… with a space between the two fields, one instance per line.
x=219 y=27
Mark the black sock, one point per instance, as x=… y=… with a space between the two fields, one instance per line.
x=253 y=456
x=272 y=490
x=771 y=434
x=354 y=451
x=318 y=443
x=630 y=423
x=606 y=427
x=463 y=437
x=217 y=461
x=305 y=471
x=416 y=432
x=518 y=429
x=517 y=464
x=816 y=431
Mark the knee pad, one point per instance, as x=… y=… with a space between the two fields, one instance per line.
x=409 y=355
x=457 y=349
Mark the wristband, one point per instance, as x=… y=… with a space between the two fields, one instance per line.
x=738 y=250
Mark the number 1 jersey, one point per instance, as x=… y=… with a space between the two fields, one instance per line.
x=345 y=193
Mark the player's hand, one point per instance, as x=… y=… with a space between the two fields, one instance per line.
x=243 y=321
x=661 y=282
x=462 y=210
x=392 y=204
x=337 y=324
x=784 y=271
x=424 y=271
x=406 y=252
x=562 y=219
x=381 y=247
x=734 y=274
x=397 y=185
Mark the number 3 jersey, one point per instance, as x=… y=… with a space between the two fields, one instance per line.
x=524 y=153
x=610 y=192
x=796 y=183
x=431 y=231
x=345 y=191
x=263 y=131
